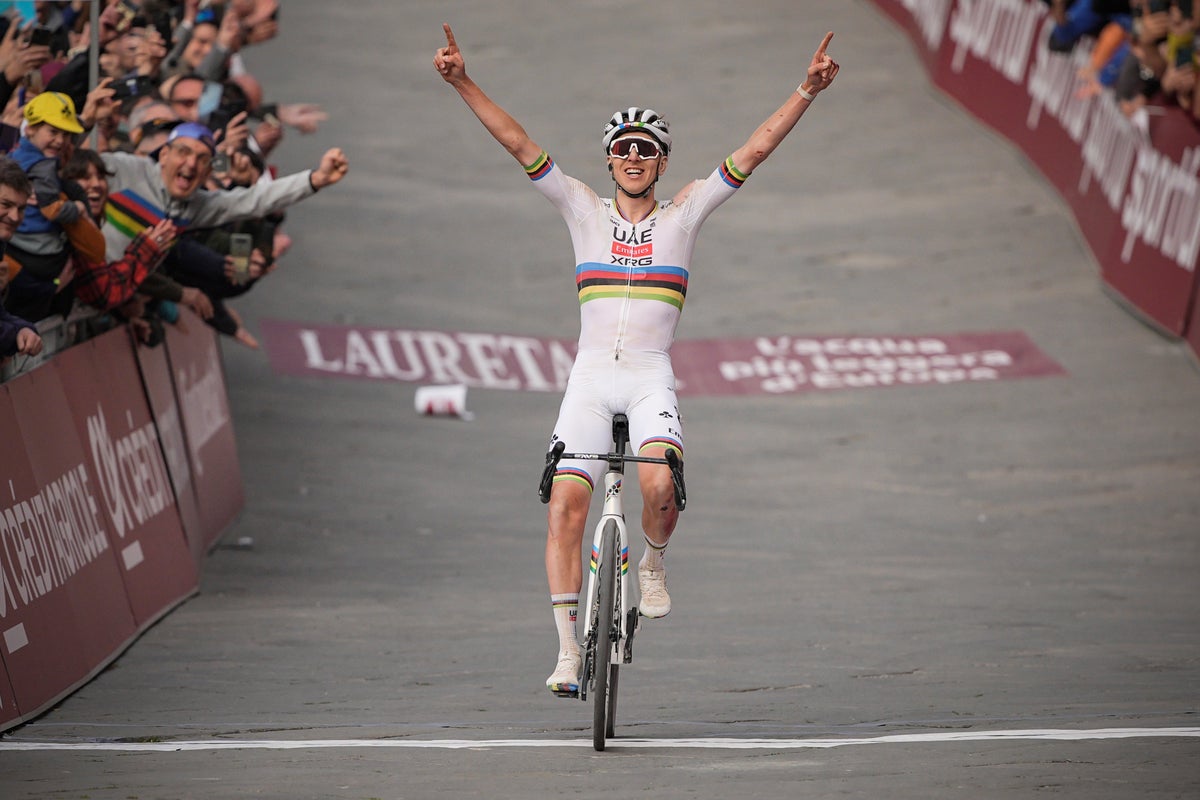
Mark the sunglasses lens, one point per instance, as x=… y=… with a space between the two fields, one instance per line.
x=621 y=148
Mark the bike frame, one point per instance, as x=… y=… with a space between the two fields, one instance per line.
x=624 y=604
x=628 y=622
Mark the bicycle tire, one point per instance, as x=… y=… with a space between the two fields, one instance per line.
x=606 y=578
x=612 y=701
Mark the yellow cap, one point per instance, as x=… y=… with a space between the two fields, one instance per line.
x=55 y=109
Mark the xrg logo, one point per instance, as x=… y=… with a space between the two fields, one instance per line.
x=632 y=248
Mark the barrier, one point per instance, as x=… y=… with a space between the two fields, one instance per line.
x=138 y=508
x=1133 y=190
x=102 y=521
x=199 y=382
x=164 y=405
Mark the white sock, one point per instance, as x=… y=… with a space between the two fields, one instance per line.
x=654 y=554
x=566 y=611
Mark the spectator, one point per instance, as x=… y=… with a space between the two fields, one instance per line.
x=150 y=124
x=40 y=244
x=142 y=191
x=17 y=59
x=73 y=80
x=1144 y=50
x=183 y=93
x=17 y=335
x=1180 y=63
x=175 y=246
x=1075 y=19
x=205 y=41
x=111 y=285
x=206 y=260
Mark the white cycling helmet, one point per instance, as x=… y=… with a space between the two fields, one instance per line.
x=634 y=118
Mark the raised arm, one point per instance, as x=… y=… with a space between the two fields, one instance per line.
x=821 y=72
x=507 y=131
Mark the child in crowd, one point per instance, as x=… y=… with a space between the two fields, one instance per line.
x=40 y=244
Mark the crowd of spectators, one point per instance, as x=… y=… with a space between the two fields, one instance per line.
x=1142 y=50
x=152 y=188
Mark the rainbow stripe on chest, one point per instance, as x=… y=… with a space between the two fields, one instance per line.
x=664 y=284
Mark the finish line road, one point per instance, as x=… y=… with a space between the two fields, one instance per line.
x=645 y=744
x=975 y=589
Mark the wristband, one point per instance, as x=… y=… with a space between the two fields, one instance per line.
x=806 y=95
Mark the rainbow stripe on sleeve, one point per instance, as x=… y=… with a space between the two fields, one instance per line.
x=540 y=168
x=731 y=175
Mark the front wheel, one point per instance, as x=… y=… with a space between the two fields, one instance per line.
x=612 y=700
x=604 y=692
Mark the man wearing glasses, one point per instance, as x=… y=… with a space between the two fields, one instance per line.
x=631 y=254
x=142 y=191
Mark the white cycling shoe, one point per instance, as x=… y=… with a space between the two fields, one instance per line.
x=564 y=681
x=655 y=600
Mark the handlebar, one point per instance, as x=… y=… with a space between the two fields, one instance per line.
x=615 y=460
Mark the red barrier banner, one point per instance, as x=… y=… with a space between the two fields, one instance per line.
x=766 y=365
x=10 y=715
x=63 y=606
x=160 y=391
x=1193 y=331
x=14 y=471
x=199 y=377
x=1132 y=184
x=113 y=420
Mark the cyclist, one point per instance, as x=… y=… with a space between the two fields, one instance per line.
x=631 y=270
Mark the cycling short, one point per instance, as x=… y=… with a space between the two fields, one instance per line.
x=640 y=385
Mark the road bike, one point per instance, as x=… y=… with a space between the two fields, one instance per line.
x=610 y=610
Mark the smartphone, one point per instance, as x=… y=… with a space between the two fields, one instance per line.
x=219 y=119
x=1184 y=55
x=220 y=161
x=40 y=35
x=136 y=86
x=240 y=245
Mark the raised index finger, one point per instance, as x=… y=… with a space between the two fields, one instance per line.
x=451 y=45
x=824 y=44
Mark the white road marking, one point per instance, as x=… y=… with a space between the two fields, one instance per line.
x=697 y=743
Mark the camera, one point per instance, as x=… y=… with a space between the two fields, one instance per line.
x=135 y=86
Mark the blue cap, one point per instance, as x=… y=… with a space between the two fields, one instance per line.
x=194 y=130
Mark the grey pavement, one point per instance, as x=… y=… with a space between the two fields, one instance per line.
x=966 y=559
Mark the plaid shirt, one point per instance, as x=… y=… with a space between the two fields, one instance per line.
x=107 y=286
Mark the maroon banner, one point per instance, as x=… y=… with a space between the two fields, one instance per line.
x=1131 y=182
x=484 y=360
x=766 y=365
x=14 y=472
x=104 y=390
x=199 y=378
x=1193 y=331
x=10 y=715
x=63 y=606
x=160 y=391
x=792 y=364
